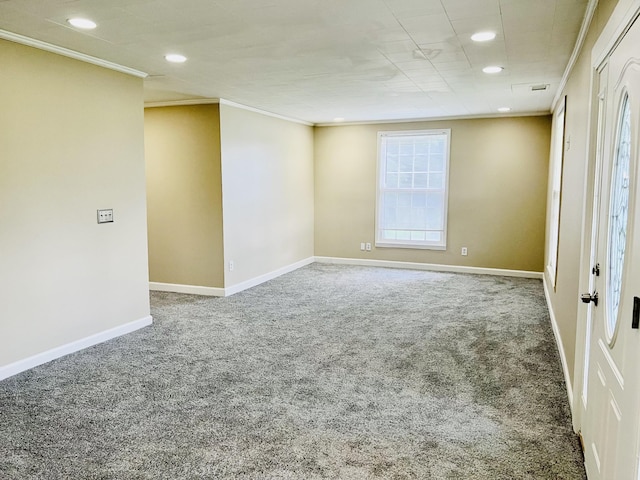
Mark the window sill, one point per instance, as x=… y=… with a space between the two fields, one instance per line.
x=415 y=247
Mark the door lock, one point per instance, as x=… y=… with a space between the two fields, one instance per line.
x=587 y=298
x=596 y=270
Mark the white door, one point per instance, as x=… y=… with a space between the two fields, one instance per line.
x=611 y=427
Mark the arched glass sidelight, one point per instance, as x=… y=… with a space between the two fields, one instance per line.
x=618 y=216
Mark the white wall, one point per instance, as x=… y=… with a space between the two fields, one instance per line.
x=71 y=141
x=267 y=193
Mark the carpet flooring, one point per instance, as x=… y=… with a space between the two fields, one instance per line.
x=329 y=372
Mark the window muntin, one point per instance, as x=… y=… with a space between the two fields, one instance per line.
x=618 y=216
x=412 y=189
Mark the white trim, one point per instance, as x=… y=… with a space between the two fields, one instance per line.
x=563 y=356
x=554 y=204
x=577 y=48
x=44 y=357
x=180 y=103
x=429 y=267
x=263 y=112
x=384 y=137
x=239 y=287
x=436 y=119
x=225 y=292
x=32 y=42
x=619 y=22
x=416 y=246
x=551 y=274
x=190 y=289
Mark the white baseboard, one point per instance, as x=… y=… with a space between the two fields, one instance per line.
x=191 y=289
x=238 y=287
x=429 y=267
x=252 y=282
x=225 y=292
x=44 y=357
x=556 y=334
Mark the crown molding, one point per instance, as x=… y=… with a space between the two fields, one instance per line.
x=222 y=101
x=65 y=52
x=180 y=103
x=577 y=48
x=263 y=112
x=437 y=119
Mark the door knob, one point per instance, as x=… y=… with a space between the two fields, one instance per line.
x=587 y=297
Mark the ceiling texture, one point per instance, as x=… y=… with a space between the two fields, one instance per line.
x=316 y=60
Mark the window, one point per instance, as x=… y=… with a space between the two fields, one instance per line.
x=412 y=198
x=618 y=216
x=557 y=150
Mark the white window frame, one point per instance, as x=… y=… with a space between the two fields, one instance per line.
x=381 y=189
x=557 y=160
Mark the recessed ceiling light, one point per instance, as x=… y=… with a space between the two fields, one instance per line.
x=483 y=36
x=338 y=119
x=492 y=69
x=504 y=109
x=83 y=23
x=175 y=58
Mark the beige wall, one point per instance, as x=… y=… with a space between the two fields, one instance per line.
x=497 y=191
x=564 y=300
x=267 y=185
x=71 y=142
x=184 y=195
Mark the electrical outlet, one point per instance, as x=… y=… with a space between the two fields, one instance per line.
x=105 y=216
x=464 y=251
x=362 y=246
x=368 y=247
x=231 y=265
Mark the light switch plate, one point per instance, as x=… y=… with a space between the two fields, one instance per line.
x=105 y=216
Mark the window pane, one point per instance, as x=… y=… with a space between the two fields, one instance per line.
x=419 y=218
x=390 y=199
x=434 y=221
x=434 y=236
x=435 y=200
x=422 y=148
x=392 y=180
x=403 y=217
x=436 y=163
x=390 y=216
x=392 y=163
x=421 y=163
x=436 y=180
x=419 y=199
x=437 y=145
x=404 y=199
x=618 y=217
x=420 y=180
x=406 y=148
x=405 y=180
x=406 y=163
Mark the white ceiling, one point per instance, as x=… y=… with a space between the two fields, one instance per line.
x=315 y=60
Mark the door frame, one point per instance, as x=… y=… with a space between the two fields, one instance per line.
x=621 y=19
